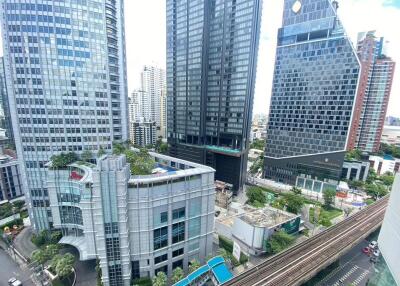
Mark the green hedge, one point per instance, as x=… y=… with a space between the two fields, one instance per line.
x=227 y=244
x=17 y=221
x=145 y=281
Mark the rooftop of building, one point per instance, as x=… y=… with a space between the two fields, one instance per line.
x=264 y=217
x=164 y=168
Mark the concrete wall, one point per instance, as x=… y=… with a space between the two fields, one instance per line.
x=389 y=238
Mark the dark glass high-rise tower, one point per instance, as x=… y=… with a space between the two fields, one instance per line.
x=212 y=50
x=313 y=94
x=66 y=84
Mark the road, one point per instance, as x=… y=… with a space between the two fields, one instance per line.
x=8 y=269
x=23 y=242
x=304 y=260
x=85 y=270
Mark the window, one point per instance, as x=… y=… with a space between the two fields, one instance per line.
x=160 y=258
x=177 y=252
x=177 y=264
x=163 y=217
x=178 y=213
x=194 y=227
x=178 y=232
x=162 y=269
x=160 y=237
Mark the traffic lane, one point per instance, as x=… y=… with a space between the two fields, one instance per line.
x=8 y=269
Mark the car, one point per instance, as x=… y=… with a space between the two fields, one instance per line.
x=377 y=253
x=11 y=280
x=366 y=250
x=373 y=244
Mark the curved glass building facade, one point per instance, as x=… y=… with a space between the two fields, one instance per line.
x=66 y=84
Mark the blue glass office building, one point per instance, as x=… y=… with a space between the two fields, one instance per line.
x=212 y=50
x=313 y=94
x=66 y=83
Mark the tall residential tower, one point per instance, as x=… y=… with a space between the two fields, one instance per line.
x=377 y=71
x=212 y=48
x=313 y=93
x=66 y=82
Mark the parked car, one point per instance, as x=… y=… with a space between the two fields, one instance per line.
x=373 y=244
x=377 y=253
x=14 y=282
x=366 y=250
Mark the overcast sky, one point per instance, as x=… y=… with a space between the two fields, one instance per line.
x=145 y=33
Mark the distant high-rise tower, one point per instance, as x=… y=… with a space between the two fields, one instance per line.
x=313 y=94
x=66 y=82
x=154 y=85
x=377 y=71
x=212 y=48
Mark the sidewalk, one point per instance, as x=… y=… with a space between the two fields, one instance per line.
x=23 y=243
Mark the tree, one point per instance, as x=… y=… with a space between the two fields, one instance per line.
x=387 y=179
x=161 y=147
x=177 y=275
x=193 y=265
x=294 y=203
x=256 y=195
x=376 y=190
x=118 y=148
x=54 y=261
x=224 y=253
x=56 y=236
x=41 y=238
x=63 y=159
x=296 y=190
x=141 y=162
x=279 y=241
x=40 y=256
x=354 y=154
x=64 y=265
x=52 y=250
x=160 y=279
x=329 y=196
x=257 y=165
x=258 y=144
x=372 y=176
x=101 y=152
x=356 y=184
x=86 y=156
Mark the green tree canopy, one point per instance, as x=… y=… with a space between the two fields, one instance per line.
x=256 y=196
x=141 y=162
x=329 y=196
x=296 y=190
x=161 y=147
x=387 y=179
x=193 y=265
x=258 y=165
x=64 y=265
x=160 y=279
x=392 y=150
x=258 y=144
x=177 y=275
x=86 y=156
x=294 y=203
x=354 y=154
x=63 y=159
x=376 y=190
x=40 y=256
x=279 y=241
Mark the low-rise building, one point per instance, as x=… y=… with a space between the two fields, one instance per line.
x=391 y=135
x=143 y=133
x=224 y=194
x=386 y=163
x=11 y=186
x=389 y=237
x=355 y=170
x=136 y=225
x=251 y=228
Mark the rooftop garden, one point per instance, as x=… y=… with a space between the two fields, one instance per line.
x=141 y=162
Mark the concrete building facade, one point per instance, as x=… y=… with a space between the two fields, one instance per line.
x=377 y=72
x=313 y=94
x=212 y=49
x=143 y=133
x=135 y=225
x=11 y=186
x=66 y=80
x=389 y=237
x=383 y=164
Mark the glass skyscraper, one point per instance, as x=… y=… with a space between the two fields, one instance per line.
x=66 y=83
x=212 y=50
x=313 y=94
